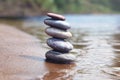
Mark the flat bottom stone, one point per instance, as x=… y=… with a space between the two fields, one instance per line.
x=58 y=57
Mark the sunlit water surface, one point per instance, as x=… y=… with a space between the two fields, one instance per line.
x=96 y=40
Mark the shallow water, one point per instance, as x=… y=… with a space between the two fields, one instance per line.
x=96 y=40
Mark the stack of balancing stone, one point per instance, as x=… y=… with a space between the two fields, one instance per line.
x=58 y=30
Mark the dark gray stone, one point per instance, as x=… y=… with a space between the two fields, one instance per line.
x=59 y=44
x=56 y=16
x=57 y=57
x=57 y=24
x=58 y=33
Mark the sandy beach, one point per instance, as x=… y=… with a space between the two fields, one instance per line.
x=20 y=55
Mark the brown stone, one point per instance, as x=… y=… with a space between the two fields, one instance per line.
x=56 y=16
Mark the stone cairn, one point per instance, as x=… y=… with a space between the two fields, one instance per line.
x=59 y=31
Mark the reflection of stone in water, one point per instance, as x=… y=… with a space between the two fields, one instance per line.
x=113 y=71
x=117 y=59
x=116 y=47
x=59 y=72
x=117 y=36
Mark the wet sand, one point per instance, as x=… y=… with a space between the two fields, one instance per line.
x=22 y=57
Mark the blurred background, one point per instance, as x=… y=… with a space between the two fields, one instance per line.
x=95 y=25
x=15 y=8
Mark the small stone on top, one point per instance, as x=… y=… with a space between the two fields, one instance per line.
x=56 y=16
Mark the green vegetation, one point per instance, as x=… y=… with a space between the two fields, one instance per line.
x=87 y=6
x=38 y=7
